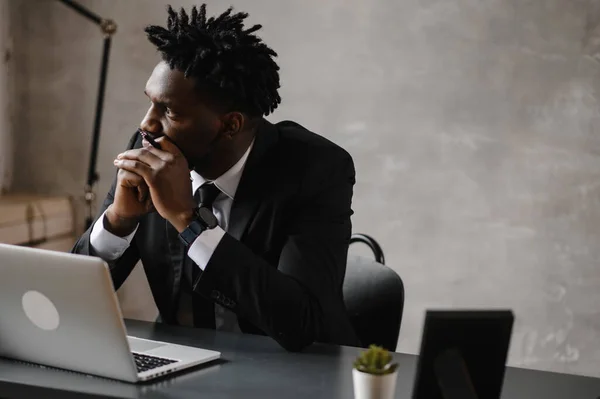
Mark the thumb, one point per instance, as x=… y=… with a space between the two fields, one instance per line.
x=143 y=192
x=169 y=145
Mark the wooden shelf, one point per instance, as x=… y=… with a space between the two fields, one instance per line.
x=37 y=221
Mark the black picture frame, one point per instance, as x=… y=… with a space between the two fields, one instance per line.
x=463 y=354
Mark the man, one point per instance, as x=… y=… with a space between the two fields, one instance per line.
x=240 y=224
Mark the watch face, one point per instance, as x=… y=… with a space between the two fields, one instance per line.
x=208 y=217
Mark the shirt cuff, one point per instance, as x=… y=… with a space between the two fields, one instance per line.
x=105 y=244
x=204 y=245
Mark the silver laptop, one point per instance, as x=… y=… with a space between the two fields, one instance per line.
x=60 y=310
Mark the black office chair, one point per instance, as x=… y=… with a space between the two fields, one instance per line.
x=374 y=297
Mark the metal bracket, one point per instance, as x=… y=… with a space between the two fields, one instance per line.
x=108 y=27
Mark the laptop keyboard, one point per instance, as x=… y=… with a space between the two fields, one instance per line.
x=145 y=362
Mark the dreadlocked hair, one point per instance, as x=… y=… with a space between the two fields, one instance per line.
x=232 y=64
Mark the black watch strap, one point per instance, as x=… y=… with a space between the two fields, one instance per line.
x=192 y=231
x=204 y=220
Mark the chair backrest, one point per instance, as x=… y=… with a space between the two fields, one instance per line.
x=374 y=299
x=371 y=243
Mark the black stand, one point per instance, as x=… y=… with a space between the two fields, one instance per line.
x=453 y=376
x=108 y=28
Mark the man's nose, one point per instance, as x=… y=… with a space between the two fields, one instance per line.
x=151 y=123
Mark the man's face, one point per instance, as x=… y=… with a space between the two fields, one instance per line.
x=177 y=112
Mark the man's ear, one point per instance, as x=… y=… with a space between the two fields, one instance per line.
x=233 y=123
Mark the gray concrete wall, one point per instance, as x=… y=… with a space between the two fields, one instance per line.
x=473 y=124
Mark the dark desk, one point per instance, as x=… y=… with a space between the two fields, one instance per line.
x=256 y=367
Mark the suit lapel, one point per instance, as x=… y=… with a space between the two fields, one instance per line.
x=252 y=184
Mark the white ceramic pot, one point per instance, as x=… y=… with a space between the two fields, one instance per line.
x=369 y=386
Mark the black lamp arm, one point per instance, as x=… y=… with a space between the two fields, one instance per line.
x=108 y=28
x=82 y=10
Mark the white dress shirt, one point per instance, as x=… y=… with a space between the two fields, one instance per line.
x=110 y=247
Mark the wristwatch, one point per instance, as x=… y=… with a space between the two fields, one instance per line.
x=204 y=220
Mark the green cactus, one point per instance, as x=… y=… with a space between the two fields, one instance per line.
x=375 y=360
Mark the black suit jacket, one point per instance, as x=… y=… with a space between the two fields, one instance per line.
x=281 y=265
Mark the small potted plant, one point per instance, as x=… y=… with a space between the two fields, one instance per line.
x=374 y=374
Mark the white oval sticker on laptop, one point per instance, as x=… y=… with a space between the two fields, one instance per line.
x=40 y=310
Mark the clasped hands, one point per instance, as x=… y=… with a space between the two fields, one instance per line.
x=150 y=178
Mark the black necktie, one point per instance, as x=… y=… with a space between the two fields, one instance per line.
x=203 y=310
x=204 y=196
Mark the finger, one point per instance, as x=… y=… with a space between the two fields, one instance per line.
x=129 y=179
x=168 y=146
x=143 y=192
x=135 y=166
x=144 y=155
x=162 y=154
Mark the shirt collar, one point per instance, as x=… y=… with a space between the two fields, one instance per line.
x=228 y=182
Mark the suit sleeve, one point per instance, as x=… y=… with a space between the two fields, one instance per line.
x=300 y=301
x=121 y=267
